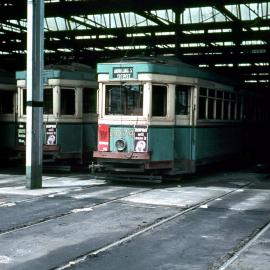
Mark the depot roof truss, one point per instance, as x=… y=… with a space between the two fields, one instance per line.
x=231 y=36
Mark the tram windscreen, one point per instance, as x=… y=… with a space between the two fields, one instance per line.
x=124 y=99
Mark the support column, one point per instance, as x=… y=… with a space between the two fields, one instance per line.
x=34 y=109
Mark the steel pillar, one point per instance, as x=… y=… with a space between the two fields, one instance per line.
x=34 y=109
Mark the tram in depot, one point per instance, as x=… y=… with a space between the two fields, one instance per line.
x=7 y=116
x=158 y=114
x=69 y=113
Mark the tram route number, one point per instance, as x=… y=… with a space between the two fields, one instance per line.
x=123 y=73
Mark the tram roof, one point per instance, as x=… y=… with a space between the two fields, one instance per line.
x=7 y=77
x=71 y=72
x=159 y=65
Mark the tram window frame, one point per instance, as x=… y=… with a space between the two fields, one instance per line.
x=47 y=104
x=89 y=100
x=23 y=100
x=226 y=106
x=182 y=99
x=7 y=102
x=48 y=101
x=239 y=107
x=67 y=106
x=211 y=107
x=159 y=98
x=202 y=103
x=233 y=106
x=131 y=101
x=219 y=105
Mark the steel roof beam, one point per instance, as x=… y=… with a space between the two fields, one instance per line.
x=77 y=8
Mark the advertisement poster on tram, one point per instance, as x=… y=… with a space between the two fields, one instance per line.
x=103 y=138
x=140 y=138
x=50 y=134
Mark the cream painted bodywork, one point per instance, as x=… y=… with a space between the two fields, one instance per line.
x=56 y=84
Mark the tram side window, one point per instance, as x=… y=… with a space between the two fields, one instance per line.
x=24 y=101
x=124 y=99
x=239 y=107
x=211 y=104
x=181 y=99
x=219 y=104
x=159 y=100
x=232 y=107
x=67 y=101
x=6 y=102
x=48 y=101
x=202 y=103
x=89 y=100
x=226 y=106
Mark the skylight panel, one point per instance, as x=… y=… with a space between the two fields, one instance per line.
x=202 y=15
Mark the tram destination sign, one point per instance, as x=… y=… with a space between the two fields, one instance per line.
x=122 y=73
x=21 y=133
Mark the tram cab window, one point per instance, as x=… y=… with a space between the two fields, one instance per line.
x=67 y=101
x=89 y=100
x=181 y=99
x=6 y=102
x=124 y=99
x=159 y=100
x=48 y=101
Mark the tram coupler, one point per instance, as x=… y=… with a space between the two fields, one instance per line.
x=94 y=166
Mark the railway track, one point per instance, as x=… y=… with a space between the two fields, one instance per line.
x=52 y=217
x=223 y=263
x=245 y=245
x=143 y=230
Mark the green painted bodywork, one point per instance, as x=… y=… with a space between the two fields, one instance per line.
x=164 y=143
x=125 y=133
x=89 y=136
x=70 y=137
x=218 y=141
x=7 y=134
x=7 y=78
x=185 y=143
x=161 y=143
x=76 y=137
x=61 y=74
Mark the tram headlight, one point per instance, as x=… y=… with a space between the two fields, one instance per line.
x=120 y=145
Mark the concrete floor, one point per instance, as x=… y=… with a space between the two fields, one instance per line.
x=213 y=220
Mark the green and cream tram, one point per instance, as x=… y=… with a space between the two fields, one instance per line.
x=164 y=115
x=69 y=113
x=8 y=116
